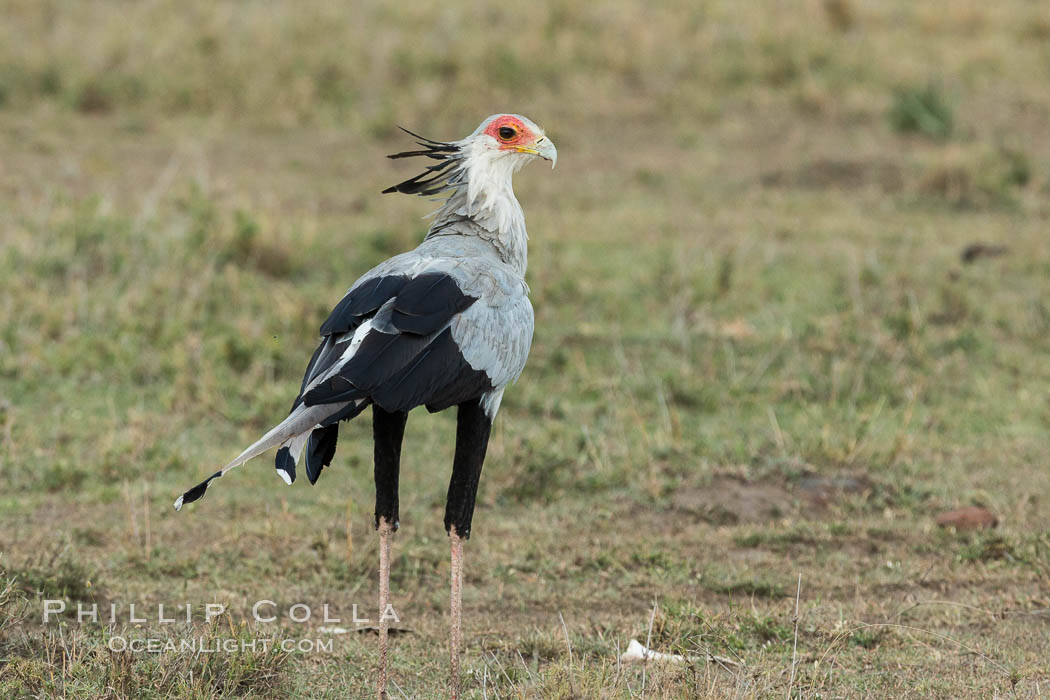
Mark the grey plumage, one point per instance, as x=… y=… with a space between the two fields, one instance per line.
x=439 y=325
x=447 y=324
x=495 y=333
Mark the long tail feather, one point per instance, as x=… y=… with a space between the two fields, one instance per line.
x=300 y=421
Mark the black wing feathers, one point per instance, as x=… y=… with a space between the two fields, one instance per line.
x=326 y=355
x=437 y=376
x=428 y=303
x=361 y=302
x=379 y=357
x=466 y=383
x=399 y=364
x=407 y=358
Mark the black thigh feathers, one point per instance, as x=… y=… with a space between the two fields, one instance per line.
x=472 y=439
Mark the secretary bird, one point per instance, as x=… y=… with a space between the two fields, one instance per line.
x=447 y=324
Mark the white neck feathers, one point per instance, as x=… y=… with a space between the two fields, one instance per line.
x=484 y=194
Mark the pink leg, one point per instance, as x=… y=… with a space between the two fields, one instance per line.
x=385 y=535
x=457 y=608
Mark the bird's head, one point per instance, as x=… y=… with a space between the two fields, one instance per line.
x=500 y=146
x=512 y=138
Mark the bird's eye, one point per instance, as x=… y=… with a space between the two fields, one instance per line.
x=506 y=133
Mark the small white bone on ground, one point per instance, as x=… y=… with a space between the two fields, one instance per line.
x=636 y=652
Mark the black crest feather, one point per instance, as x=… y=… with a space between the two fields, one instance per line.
x=435 y=178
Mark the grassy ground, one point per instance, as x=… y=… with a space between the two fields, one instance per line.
x=759 y=353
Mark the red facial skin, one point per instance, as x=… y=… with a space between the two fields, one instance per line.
x=523 y=136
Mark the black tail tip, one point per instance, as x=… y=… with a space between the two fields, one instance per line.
x=197 y=492
x=285 y=465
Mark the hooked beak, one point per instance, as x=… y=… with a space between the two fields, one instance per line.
x=544 y=148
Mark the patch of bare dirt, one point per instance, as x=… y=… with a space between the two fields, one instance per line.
x=728 y=500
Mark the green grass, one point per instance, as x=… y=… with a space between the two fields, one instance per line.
x=759 y=351
x=925 y=111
